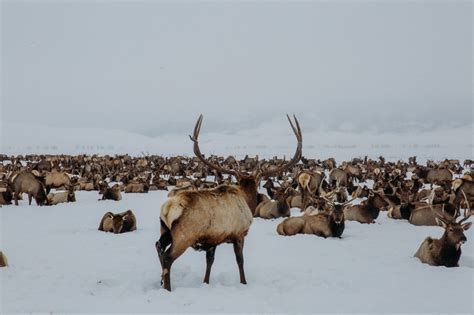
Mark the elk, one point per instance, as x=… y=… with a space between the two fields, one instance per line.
x=119 y=222
x=112 y=193
x=136 y=188
x=445 y=251
x=309 y=183
x=368 y=210
x=462 y=186
x=27 y=182
x=207 y=218
x=322 y=224
x=6 y=196
x=338 y=177
x=62 y=197
x=279 y=207
x=434 y=176
x=56 y=179
x=3 y=260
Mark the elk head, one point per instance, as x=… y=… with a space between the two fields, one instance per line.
x=454 y=231
x=337 y=210
x=249 y=182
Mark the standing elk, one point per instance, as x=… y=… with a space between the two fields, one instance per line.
x=460 y=187
x=434 y=176
x=309 y=184
x=28 y=183
x=56 y=179
x=207 y=218
x=445 y=251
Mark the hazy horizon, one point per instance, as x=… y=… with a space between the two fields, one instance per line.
x=152 y=67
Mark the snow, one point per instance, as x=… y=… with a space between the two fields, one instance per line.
x=60 y=262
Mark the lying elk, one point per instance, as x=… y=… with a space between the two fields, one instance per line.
x=277 y=208
x=445 y=251
x=368 y=210
x=119 y=222
x=322 y=224
x=62 y=197
x=112 y=193
x=207 y=218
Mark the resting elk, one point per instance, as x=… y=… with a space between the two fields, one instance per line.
x=279 y=207
x=322 y=224
x=368 y=210
x=445 y=251
x=205 y=218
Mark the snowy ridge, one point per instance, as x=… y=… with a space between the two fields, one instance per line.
x=267 y=140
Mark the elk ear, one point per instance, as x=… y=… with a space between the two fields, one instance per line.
x=440 y=223
x=466 y=226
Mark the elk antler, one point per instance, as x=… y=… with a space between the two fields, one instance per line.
x=199 y=155
x=467 y=210
x=284 y=166
x=349 y=201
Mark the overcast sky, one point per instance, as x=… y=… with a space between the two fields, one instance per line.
x=150 y=66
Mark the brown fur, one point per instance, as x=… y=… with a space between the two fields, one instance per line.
x=368 y=210
x=3 y=260
x=271 y=209
x=203 y=219
x=112 y=193
x=56 y=179
x=321 y=224
x=447 y=250
x=118 y=223
x=136 y=188
x=61 y=197
x=28 y=183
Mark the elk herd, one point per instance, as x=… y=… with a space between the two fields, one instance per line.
x=213 y=200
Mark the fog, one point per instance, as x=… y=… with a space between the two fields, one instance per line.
x=152 y=67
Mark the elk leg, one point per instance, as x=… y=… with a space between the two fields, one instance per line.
x=238 y=248
x=161 y=245
x=16 y=199
x=209 y=261
x=30 y=197
x=168 y=257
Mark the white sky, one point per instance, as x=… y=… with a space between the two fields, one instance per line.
x=152 y=67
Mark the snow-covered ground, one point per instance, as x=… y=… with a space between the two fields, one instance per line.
x=60 y=262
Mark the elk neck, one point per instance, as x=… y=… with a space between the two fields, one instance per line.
x=248 y=186
x=336 y=228
x=448 y=255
